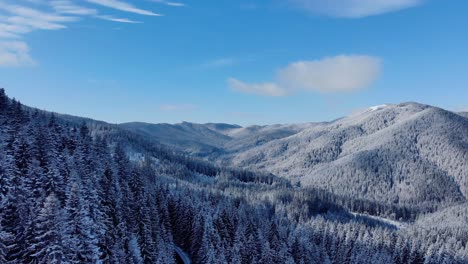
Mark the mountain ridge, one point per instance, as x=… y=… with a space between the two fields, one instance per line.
x=395 y=153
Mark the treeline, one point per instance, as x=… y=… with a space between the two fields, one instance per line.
x=396 y=212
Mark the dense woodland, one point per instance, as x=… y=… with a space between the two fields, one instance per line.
x=78 y=191
x=406 y=154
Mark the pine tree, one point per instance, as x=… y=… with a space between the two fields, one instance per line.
x=268 y=255
x=10 y=219
x=49 y=233
x=3 y=100
x=82 y=240
x=6 y=238
x=135 y=251
x=206 y=253
x=431 y=255
x=5 y=178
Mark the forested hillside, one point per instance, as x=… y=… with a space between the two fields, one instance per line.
x=212 y=140
x=409 y=154
x=74 y=190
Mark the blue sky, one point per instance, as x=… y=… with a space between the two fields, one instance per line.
x=244 y=62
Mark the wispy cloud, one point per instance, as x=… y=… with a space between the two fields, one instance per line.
x=344 y=73
x=68 y=7
x=333 y=74
x=123 y=6
x=168 y=3
x=220 y=62
x=30 y=19
x=265 y=89
x=116 y=19
x=20 y=17
x=19 y=20
x=10 y=31
x=461 y=109
x=353 y=8
x=178 y=107
x=15 y=54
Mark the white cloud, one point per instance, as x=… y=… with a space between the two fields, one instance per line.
x=19 y=20
x=353 y=8
x=461 y=109
x=265 y=89
x=176 y=4
x=20 y=17
x=334 y=74
x=68 y=7
x=23 y=20
x=116 y=19
x=33 y=19
x=15 y=54
x=344 y=73
x=12 y=31
x=123 y=6
x=178 y=107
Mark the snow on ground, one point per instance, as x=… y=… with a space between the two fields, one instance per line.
x=377 y=107
x=396 y=224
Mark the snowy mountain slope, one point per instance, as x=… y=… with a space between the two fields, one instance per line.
x=212 y=139
x=397 y=153
x=254 y=136
x=449 y=224
x=170 y=161
x=449 y=218
x=190 y=137
x=406 y=153
x=464 y=114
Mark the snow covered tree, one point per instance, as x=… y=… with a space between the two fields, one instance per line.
x=50 y=230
